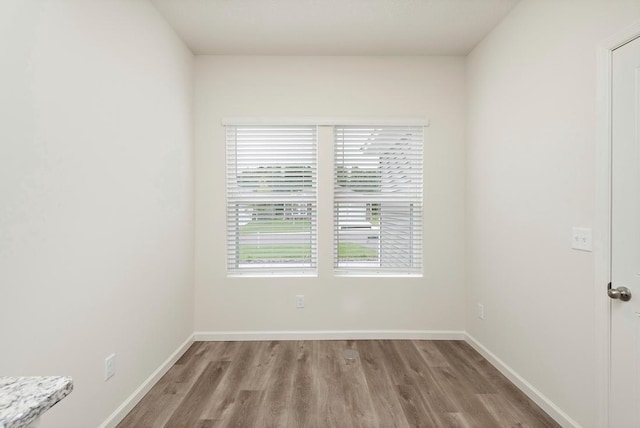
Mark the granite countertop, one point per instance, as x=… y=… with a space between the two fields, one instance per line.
x=24 y=399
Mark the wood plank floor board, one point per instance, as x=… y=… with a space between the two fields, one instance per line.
x=188 y=372
x=457 y=420
x=430 y=353
x=424 y=379
x=511 y=393
x=310 y=384
x=154 y=411
x=380 y=387
x=221 y=402
x=188 y=412
x=393 y=361
x=189 y=353
x=206 y=423
x=303 y=402
x=355 y=391
x=465 y=398
x=278 y=392
x=245 y=409
x=429 y=393
x=505 y=412
x=257 y=375
x=510 y=396
x=414 y=407
x=332 y=409
x=461 y=360
x=412 y=384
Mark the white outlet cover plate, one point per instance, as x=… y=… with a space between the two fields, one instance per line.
x=582 y=239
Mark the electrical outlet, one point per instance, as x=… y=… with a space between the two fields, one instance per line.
x=480 y=311
x=300 y=301
x=109 y=367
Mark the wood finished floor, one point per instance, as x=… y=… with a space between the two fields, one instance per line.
x=310 y=384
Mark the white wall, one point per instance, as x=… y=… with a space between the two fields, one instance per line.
x=530 y=178
x=332 y=86
x=96 y=197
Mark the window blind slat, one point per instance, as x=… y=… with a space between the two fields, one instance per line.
x=378 y=192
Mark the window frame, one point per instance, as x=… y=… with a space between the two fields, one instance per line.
x=368 y=189
x=234 y=198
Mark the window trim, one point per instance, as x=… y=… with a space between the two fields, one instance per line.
x=326 y=121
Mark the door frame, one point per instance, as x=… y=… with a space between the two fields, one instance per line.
x=602 y=221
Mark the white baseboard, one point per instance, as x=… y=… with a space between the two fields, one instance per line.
x=536 y=396
x=119 y=414
x=233 y=336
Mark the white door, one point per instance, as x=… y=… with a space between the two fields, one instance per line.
x=625 y=238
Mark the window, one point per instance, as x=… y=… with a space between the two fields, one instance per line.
x=271 y=199
x=378 y=174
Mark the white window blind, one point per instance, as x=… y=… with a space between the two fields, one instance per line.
x=378 y=182
x=271 y=199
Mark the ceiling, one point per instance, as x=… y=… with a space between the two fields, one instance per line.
x=333 y=27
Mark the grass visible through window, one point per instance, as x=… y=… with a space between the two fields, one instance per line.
x=348 y=250
x=277 y=252
x=275 y=226
x=249 y=253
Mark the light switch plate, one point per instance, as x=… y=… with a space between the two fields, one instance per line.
x=582 y=239
x=109 y=367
